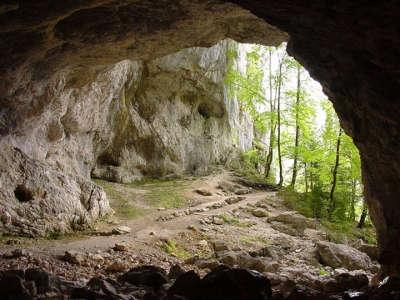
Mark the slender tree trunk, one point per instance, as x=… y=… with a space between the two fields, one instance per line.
x=332 y=203
x=363 y=216
x=279 y=123
x=305 y=177
x=273 y=123
x=296 y=142
x=353 y=200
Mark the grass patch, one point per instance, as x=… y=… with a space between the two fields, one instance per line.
x=172 y=248
x=346 y=231
x=339 y=231
x=234 y=221
x=249 y=240
x=122 y=204
x=322 y=272
x=164 y=193
x=297 y=202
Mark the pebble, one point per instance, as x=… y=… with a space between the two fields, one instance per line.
x=121 y=247
x=121 y=230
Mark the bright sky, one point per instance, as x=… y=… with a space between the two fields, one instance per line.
x=312 y=87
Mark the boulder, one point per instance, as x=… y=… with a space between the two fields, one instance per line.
x=370 y=250
x=259 y=213
x=207 y=263
x=227 y=186
x=219 y=246
x=294 y=219
x=105 y=286
x=340 y=255
x=223 y=283
x=122 y=247
x=217 y=220
x=242 y=191
x=287 y=229
x=203 y=192
x=235 y=284
x=175 y=271
x=44 y=281
x=117 y=266
x=228 y=258
x=150 y=276
x=389 y=289
x=74 y=257
x=306 y=293
x=121 y=230
x=12 y=287
x=346 y=281
x=187 y=285
x=234 y=199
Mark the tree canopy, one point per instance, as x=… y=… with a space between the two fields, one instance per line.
x=299 y=144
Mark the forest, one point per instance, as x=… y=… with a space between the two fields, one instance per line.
x=299 y=145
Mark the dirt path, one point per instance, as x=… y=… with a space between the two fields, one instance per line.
x=251 y=228
x=146 y=229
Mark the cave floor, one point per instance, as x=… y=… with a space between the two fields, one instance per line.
x=194 y=222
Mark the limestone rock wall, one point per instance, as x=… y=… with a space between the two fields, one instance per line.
x=138 y=118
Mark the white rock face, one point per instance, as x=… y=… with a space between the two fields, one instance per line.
x=35 y=199
x=340 y=255
x=170 y=115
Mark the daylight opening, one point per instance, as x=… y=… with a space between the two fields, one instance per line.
x=230 y=155
x=298 y=143
x=248 y=167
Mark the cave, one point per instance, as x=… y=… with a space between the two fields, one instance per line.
x=70 y=71
x=23 y=194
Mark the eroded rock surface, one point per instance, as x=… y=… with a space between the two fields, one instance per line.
x=340 y=255
x=163 y=117
x=36 y=199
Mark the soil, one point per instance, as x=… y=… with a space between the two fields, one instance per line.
x=168 y=236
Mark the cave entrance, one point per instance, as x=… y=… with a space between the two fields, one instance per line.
x=158 y=129
x=263 y=176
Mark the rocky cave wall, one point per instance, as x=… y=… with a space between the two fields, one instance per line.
x=351 y=47
x=162 y=117
x=87 y=89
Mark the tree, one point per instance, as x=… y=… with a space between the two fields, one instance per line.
x=278 y=100
x=272 y=128
x=275 y=91
x=297 y=135
x=334 y=176
x=363 y=216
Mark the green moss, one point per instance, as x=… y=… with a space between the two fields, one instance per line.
x=234 y=221
x=158 y=193
x=249 y=240
x=172 y=248
x=122 y=203
x=342 y=232
x=164 y=193
x=322 y=272
x=339 y=231
x=297 y=202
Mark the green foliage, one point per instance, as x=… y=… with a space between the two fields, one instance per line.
x=171 y=247
x=234 y=221
x=322 y=188
x=121 y=200
x=164 y=193
x=253 y=239
x=322 y=272
x=346 y=232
